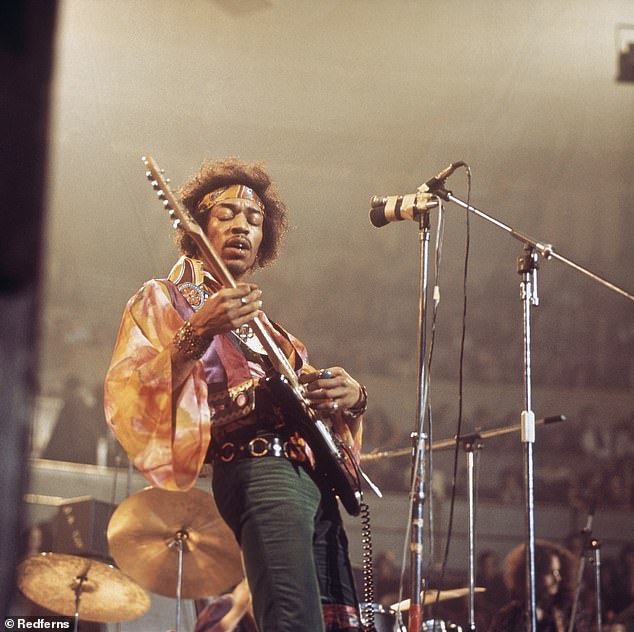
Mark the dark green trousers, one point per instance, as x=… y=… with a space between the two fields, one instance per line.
x=292 y=538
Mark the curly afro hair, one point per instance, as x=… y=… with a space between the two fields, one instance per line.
x=515 y=571
x=214 y=174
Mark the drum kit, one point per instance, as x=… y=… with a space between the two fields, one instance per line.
x=387 y=619
x=174 y=544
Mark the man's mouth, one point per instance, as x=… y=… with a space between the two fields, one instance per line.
x=237 y=246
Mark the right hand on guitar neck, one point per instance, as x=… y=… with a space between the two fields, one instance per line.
x=227 y=309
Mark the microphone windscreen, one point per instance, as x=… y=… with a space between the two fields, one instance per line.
x=377 y=216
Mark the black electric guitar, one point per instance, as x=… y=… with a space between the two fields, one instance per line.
x=335 y=465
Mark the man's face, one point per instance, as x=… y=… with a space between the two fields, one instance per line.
x=234 y=228
x=552 y=579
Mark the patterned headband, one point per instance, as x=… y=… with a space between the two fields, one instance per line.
x=231 y=192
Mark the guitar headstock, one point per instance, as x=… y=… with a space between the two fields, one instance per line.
x=180 y=216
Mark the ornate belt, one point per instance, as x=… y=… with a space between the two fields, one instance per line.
x=270 y=445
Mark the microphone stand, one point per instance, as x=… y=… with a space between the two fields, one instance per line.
x=527 y=267
x=418 y=467
x=471 y=442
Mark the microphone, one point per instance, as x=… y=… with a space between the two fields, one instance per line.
x=395 y=208
x=433 y=184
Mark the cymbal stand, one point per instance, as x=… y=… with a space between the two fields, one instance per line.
x=179 y=543
x=79 y=583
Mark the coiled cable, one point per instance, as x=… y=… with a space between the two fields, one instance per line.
x=368 y=622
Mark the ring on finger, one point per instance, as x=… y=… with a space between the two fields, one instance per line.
x=334 y=404
x=243 y=300
x=326 y=374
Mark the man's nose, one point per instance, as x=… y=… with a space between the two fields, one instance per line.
x=240 y=223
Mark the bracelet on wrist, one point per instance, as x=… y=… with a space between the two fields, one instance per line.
x=191 y=345
x=360 y=407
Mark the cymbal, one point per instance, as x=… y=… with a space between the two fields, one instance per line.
x=145 y=532
x=431 y=596
x=106 y=594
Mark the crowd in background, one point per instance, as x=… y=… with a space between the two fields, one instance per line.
x=571 y=346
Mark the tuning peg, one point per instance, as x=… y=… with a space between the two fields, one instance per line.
x=171 y=213
x=161 y=194
x=166 y=204
x=176 y=223
x=155 y=185
x=148 y=175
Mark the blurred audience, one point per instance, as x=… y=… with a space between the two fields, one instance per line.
x=511 y=488
x=624 y=593
x=386 y=578
x=489 y=577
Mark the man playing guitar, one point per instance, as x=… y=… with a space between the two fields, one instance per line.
x=189 y=383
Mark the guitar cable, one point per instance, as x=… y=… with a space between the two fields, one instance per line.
x=368 y=622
